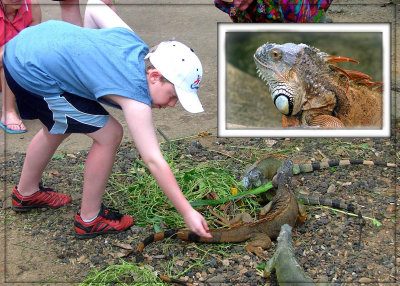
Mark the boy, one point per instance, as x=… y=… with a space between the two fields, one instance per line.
x=60 y=72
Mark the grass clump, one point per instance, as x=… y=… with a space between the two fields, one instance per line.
x=139 y=194
x=123 y=274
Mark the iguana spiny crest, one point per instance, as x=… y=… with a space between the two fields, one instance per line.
x=304 y=83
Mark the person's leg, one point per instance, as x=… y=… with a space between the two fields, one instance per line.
x=9 y=116
x=38 y=155
x=98 y=166
x=98 y=15
x=70 y=12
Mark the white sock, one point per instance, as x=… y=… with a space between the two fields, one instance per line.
x=90 y=220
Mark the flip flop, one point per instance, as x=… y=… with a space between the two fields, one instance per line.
x=8 y=130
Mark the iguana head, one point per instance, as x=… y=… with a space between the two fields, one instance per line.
x=276 y=65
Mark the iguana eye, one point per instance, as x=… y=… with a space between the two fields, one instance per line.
x=275 y=54
x=283 y=104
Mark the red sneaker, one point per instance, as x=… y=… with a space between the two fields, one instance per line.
x=108 y=221
x=43 y=198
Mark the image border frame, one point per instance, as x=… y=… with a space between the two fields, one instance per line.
x=384 y=28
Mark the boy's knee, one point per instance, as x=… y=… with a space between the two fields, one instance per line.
x=116 y=133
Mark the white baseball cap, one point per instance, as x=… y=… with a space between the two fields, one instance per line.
x=179 y=64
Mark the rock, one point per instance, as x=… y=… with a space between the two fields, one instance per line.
x=365 y=280
x=331 y=189
x=219 y=278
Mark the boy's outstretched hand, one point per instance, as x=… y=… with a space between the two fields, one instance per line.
x=197 y=223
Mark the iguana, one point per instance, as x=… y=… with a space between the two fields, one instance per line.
x=264 y=169
x=288 y=270
x=310 y=91
x=284 y=209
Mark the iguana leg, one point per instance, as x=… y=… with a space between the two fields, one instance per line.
x=265 y=209
x=326 y=121
x=240 y=219
x=237 y=220
x=258 y=243
x=290 y=121
x=302 y=216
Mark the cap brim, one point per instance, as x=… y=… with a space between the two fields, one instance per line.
x=189 y=100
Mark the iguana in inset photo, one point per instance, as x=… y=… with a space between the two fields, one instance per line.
x=310 y=91
x=283 y=209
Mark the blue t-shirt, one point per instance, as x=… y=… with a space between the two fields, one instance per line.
x=53 y=57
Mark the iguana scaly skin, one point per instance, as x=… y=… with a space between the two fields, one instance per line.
x=288 y=270
x=265 y=169
x=310 y=91
x=284 y=209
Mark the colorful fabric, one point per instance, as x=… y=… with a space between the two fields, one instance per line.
x=23 y=19
x=284 y=11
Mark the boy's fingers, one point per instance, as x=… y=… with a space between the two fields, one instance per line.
x=205 y=226
x=205 y=234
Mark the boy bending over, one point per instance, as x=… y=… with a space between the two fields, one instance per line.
x=60 y=72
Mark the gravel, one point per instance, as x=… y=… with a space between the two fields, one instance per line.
x=327 y=245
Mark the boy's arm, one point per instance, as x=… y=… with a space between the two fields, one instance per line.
x=139 y=119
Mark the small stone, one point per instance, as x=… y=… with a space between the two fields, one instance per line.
x=365 y=280
x=216 y=279
x=391 y=208
x=331 y=189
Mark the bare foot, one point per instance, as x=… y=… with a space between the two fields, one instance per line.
x=12 y=122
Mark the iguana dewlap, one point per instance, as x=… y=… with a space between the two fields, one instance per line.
x=308 y=90
x=283 y=209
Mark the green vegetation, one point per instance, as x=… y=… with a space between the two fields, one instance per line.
x=210 y=178
x=123 y=274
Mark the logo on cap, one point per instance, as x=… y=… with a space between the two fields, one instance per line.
x=196 y=83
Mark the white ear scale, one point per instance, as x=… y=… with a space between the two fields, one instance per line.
x=282 y=103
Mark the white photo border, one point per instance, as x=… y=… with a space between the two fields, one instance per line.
x=383 y=28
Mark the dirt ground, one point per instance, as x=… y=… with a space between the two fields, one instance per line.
x=155 y=21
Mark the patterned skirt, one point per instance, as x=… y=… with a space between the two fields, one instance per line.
x=278 y=11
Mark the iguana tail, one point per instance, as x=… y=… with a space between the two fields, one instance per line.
x=157 y=237
x=264 y=169
x=309 y=200
x=306 y=168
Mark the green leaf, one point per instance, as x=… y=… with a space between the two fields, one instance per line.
x=261 y=266
x=255 y=191
x=59 y=156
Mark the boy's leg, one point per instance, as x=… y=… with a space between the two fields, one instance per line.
x=99 y=16
x=38 y=155
x=98 y=166
x=29 y=194
x=94 y=218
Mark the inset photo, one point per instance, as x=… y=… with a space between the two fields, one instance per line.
x=303 y=80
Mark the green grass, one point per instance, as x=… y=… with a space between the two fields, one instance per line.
x=138 y=194
x=139 y=189
x=123 y=274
